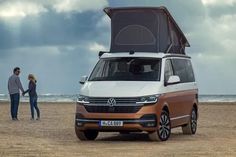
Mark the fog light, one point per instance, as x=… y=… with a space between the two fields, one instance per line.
x=149 y=120
x=79 y=124
x=150 y=124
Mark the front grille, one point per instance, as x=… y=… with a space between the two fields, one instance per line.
x=96 y=100
x=115 y=109
x=123 y=105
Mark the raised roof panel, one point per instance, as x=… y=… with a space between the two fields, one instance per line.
x=145 y=29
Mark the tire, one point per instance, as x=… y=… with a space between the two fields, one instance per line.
x=87 y=135
x=164 y=128
x=191 y=127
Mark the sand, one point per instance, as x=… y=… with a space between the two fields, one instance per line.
x=54 y=135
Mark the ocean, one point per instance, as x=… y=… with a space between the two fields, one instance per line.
x=72 y=98
x=44 y=98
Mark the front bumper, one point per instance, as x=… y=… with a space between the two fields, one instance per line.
x=145 y=123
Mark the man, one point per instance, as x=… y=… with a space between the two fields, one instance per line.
x=14 y=87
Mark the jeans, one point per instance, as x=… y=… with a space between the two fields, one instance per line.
x=34 y=105
x=15 y=100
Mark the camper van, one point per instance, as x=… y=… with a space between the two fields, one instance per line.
x=145 y=83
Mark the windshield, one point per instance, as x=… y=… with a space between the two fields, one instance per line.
x=127 y=69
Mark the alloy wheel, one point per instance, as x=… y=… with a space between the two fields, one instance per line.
x=194 y=121
x=164 y=126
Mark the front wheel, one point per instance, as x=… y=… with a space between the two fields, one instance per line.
x=191 y=127
x=87 y=135
x=164 y=129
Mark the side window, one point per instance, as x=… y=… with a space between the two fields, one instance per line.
x=179 y=69
x=168 y=70
x=183 y=68
x=190 y=73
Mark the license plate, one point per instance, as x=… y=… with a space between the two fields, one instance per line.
x=110 y=123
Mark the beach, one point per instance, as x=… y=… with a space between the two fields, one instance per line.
x=54 y=135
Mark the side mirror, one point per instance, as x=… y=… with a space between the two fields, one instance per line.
x=83 y=79
x=101 y=53
x=174 y=79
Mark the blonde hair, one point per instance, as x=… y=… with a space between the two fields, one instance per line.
x=31 y=76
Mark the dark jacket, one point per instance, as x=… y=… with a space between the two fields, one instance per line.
x=32 y=89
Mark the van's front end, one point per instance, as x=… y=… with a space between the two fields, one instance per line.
x=121 y=95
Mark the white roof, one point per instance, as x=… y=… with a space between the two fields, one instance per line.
x=139 y=54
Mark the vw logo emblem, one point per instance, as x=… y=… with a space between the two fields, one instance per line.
x=111 y=102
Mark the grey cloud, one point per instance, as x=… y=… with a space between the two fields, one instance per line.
x=219 y=10
x=52 y=29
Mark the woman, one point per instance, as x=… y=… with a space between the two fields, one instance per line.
x=33 y=96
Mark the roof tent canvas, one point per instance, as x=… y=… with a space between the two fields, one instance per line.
x=146 y=29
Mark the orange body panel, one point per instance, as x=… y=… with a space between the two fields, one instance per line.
x=179 y=105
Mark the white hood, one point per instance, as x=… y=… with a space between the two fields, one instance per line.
x=120 y=88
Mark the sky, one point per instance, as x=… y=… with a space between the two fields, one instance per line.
x=59 y=40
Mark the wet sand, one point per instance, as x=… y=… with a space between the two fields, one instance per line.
x=54 y=135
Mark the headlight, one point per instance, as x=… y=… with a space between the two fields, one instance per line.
x=83 y=99
x=148 y=99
